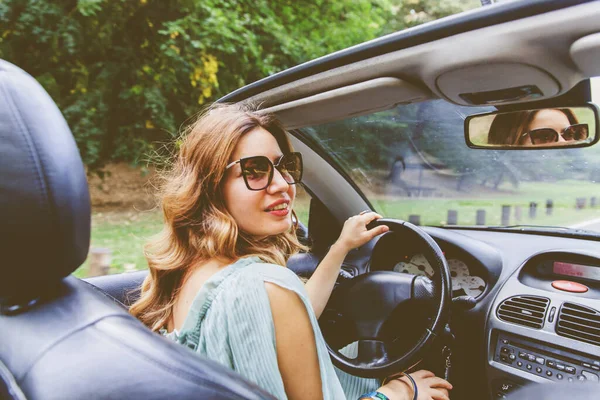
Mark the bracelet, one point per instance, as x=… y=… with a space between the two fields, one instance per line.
x=416 y=395
x=374 y=396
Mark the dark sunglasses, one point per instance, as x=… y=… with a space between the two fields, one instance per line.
x=548 y=135
x=258 y=171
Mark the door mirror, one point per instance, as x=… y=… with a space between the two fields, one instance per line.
x=543 y=128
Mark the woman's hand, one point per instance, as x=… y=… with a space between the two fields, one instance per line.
x=430 y=387
x=355 y=234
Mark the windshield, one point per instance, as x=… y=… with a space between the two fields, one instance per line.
x=412 y=163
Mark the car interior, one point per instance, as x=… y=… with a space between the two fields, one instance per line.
x=512 y=329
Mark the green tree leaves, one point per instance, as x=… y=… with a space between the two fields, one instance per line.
x=128 y=73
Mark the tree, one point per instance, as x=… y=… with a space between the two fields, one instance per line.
x=127 y=73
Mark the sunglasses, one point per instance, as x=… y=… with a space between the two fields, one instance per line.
x=258 y=171
x=548 y=135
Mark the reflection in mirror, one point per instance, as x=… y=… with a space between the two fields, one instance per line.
x=547 y=128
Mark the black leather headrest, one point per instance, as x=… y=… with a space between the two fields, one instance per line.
x=44 y=198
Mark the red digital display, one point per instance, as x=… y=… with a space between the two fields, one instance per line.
x=576 y=270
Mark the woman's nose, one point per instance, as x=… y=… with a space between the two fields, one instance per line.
x=278 y=184
x=561 y=138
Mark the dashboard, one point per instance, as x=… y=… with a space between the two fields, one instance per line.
x=523 y=327
x=496 y=353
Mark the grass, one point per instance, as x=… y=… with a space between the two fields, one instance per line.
x=126 y=233
x=433 y=211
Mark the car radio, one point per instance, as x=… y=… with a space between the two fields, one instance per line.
x=545 y=360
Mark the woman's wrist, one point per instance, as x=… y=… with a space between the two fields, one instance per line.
x=397 y=389
x=340 y=248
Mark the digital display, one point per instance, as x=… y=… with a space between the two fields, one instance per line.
x=576 y=270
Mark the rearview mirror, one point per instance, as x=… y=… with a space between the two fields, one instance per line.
x=543 y=128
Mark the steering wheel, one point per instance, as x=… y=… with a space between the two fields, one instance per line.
x=364 y=303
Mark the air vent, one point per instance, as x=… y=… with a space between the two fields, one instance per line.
x=524 y=310
x=579 y=322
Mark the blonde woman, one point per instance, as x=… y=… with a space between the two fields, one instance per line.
x=217 y=280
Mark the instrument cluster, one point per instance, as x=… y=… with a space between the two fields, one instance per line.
x=464 y=281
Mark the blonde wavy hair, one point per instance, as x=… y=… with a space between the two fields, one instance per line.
x=197 y=226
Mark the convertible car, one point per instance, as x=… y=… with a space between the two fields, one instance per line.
x=473 y=135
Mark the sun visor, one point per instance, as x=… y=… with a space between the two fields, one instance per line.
x=499 y=83
x=348 y=101
x=585 y=52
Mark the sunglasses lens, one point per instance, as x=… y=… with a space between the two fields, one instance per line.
x=542 y=136
x=576 y=132
x=256 y=172
x=290 y=167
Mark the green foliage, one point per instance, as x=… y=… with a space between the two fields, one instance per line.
x=408 y=13
x=128 y=73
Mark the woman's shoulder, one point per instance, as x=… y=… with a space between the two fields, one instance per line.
x=251 y=274
x=273 y=273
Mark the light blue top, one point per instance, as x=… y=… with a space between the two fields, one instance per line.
x=230 y=322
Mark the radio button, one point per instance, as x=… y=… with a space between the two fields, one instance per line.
x=559 y=376
x=560 y=367
x=596 y=367
x=551 y=364
x=540 y=360
x=590 y=376
x=570 y=370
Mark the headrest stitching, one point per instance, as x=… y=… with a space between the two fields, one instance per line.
x=17 y=117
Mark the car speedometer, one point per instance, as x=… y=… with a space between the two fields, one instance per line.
x=462 y=280
x=418 y=265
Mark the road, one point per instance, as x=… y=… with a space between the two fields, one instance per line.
x=592 y=225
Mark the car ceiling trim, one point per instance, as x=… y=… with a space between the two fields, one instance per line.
x=353 y=100
x=436 y=30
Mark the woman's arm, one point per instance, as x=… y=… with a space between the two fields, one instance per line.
x=295 y=342
x=354 y=234
x=298 y=360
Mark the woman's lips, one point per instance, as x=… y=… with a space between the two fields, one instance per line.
x=279 y=209
x=280 y=213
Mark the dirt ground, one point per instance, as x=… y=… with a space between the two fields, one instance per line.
x=128 y=189
x=123 y=188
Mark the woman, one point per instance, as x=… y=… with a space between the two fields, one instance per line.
x=217 y=282
x=536 y=127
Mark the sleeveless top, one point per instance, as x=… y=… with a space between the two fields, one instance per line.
x=230 y=322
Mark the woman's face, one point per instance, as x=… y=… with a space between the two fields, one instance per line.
x=553 y=119
x=253 y=210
